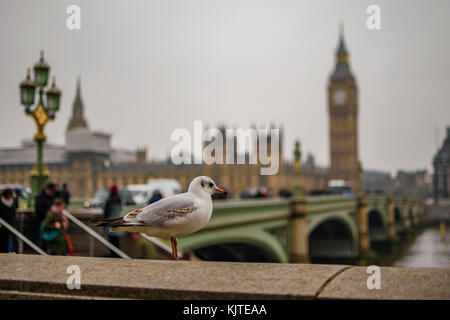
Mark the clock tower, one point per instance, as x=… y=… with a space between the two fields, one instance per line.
x=343 y=124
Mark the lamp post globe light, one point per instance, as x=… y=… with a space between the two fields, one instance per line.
x=41 y=114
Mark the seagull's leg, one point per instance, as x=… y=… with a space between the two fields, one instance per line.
x=173 y=241
x=176 y=248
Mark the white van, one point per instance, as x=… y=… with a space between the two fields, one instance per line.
x=140 y=193
x=167 y=187
x=143 y=192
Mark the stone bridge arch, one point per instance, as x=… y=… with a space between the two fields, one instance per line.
x=332 y=236
x=378 y=224
x=236 y=244
x=399 y=224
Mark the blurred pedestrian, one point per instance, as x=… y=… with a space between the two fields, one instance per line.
x=65 y=194
x=44 y=200
x=113 y=210
x=57 y=192
x=156 y=196
x=17 y=195
x=7 y=213
x=42 y=204
x=54 y=228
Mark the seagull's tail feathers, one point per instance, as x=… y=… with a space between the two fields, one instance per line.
x=105 y=222
x=118 y=224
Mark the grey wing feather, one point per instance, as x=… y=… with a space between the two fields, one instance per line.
x=162 y=211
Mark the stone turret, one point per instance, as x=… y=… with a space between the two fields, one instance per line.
x=77 y=120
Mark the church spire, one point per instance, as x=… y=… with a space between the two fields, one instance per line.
x=342 y=69
x=77 y=120
x=342 y=50
x=79 y=86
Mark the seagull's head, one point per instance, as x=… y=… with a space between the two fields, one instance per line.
x=204 y=184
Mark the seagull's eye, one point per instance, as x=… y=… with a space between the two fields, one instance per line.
x=210 y=184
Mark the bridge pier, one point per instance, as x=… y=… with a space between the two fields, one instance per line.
x=298 y=246
x=415 y=214
x=363 y=225
x=406 y=219
x=365 y=255
x=391 y=228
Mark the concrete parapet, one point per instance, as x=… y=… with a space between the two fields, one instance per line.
x=32 y=276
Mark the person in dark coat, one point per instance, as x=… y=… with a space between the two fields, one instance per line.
x=7 y=213
x=156 y=196
x=43 y=201
x=65 y=194
x=113 y=210
x=42 y=204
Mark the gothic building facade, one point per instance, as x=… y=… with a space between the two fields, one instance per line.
x=441 y=166
x=87 y=162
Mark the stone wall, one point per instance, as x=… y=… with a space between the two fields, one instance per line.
x=33 y=276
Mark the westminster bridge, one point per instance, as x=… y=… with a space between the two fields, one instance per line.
x=318 y=229
x=345 y=229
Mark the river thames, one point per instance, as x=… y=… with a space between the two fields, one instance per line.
x=429 y=249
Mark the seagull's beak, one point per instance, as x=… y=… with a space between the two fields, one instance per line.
x=218 y=190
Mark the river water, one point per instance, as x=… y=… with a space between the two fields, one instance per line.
x=427 y=250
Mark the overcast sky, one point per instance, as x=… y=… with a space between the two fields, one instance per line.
x=149 y=67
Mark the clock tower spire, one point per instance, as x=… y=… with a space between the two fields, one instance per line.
x=343 y=115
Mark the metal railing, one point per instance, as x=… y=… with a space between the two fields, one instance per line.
x=94 y=234
x=22 y=237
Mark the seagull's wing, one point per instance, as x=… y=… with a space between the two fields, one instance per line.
x=164 y=211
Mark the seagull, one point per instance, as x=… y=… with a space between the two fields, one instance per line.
x=171 y=217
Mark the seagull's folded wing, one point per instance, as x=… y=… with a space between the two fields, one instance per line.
x=165 y=211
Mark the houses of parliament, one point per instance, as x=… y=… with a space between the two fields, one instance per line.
x=87 y=162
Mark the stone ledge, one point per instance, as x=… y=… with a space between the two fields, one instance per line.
x=396 y=283
x=32 y=275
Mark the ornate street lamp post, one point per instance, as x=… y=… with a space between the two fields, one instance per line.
x=298 y=191
x=41 y=114
x=360 y=190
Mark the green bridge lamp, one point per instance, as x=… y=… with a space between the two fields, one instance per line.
x=41 y=114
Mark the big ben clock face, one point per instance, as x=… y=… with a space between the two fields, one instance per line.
x=340 y=97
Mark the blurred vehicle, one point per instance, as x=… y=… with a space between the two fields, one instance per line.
x=100 y=197
x=339 y=187
x=285 y=193
x=167 y=187
x=319 y=192
x=127 y=197
x=252 y=193
x=140 y=193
